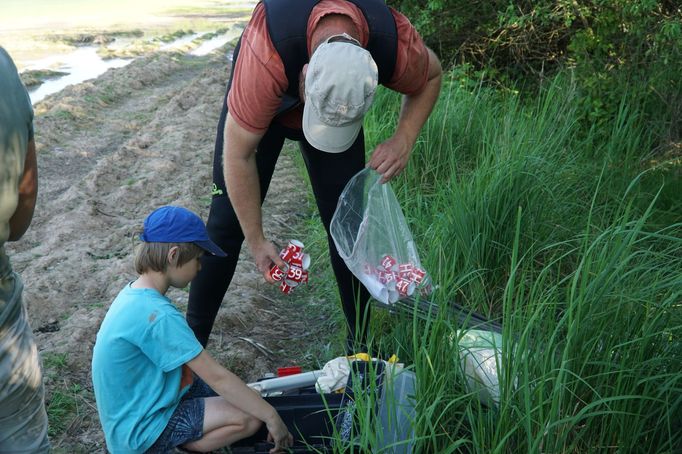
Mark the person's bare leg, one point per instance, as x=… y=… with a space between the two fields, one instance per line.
x=224 y=424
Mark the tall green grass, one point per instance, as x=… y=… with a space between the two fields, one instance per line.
x=570 y=240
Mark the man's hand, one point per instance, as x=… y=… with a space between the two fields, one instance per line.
x=265 y=255
x=278 y=434
x=390 y=157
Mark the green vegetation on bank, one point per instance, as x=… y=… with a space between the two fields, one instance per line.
x=93 y=38
x=572 y=238
x=65 y=398
x=544 y=193
x=32 y=78
x=611 y=45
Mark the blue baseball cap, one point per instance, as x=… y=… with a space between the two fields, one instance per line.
x=171 y=224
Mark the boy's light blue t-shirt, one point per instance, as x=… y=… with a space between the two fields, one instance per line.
x=137 y=366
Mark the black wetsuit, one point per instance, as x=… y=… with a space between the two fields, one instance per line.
x=328 y=172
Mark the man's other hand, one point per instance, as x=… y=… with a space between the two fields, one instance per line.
x=390 y=157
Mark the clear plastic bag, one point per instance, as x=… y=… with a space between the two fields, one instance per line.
x=481 y=356
x=480 y=353
x=372 y=237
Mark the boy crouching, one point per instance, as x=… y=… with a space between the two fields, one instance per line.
x=146 y=356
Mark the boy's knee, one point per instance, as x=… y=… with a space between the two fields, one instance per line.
x=251 y=425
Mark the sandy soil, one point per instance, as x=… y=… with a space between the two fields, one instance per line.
x=110 y=151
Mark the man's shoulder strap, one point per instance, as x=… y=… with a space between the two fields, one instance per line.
x=383 y=36
x=287 y=22
x=287 y=25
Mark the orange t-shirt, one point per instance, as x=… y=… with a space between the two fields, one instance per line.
x=259 y=80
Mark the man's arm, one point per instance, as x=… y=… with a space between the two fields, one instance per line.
x=28 y=193
x=234 y=390
x=243 y=187
x=390 y=157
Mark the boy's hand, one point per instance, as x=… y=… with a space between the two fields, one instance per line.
x=278 y=434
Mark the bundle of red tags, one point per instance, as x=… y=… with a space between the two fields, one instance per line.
x=399 y=279
x=296 y=272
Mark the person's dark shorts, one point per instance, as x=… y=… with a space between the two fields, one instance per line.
x=187 y=421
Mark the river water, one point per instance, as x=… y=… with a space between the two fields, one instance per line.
x=84 y=63
x=25 y=25
x=80 y=65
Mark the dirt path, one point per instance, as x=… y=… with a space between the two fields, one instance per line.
x=110 y=151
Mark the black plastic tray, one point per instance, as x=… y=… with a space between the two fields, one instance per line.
x=313 y=418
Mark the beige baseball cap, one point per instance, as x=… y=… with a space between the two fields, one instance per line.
x=339 y=89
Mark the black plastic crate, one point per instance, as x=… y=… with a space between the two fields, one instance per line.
x=313 y=418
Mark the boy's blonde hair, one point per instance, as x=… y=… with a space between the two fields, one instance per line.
x=154 y=256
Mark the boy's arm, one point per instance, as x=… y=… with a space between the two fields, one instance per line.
x=235 y=391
